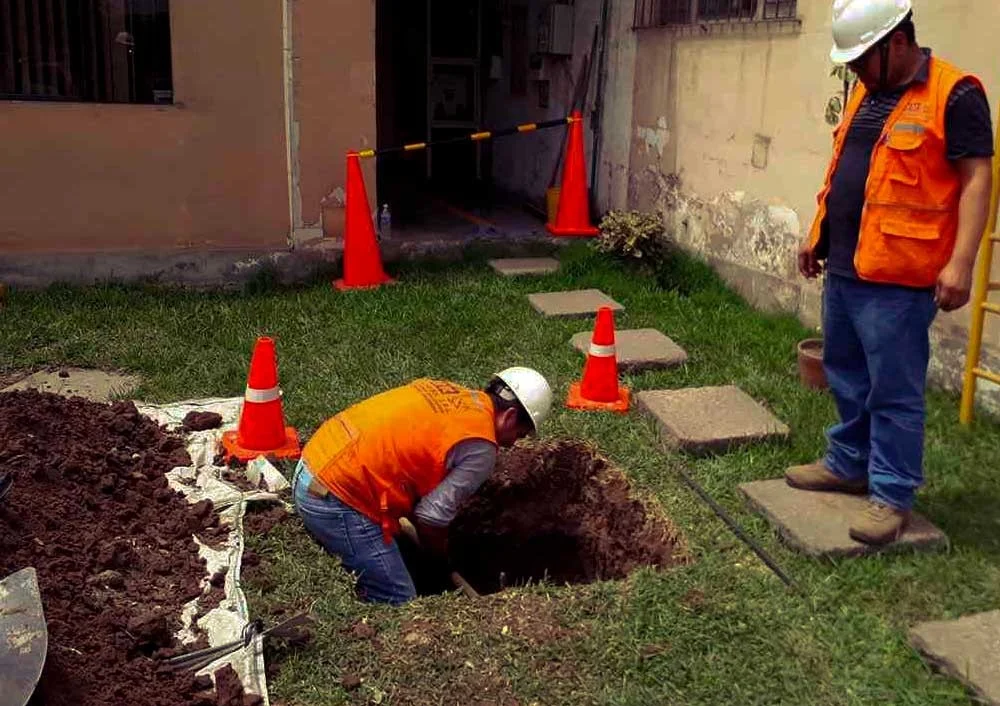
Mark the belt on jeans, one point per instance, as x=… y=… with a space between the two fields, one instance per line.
x=317 y=489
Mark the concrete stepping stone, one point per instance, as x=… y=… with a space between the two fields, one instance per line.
x=639 y=349
x=710 y=419
x=967 y=649
x=94 y=385
x=580 y=302
x=517 y=266
x=817 y=524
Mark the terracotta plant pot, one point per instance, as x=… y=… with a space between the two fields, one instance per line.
x=811 y=372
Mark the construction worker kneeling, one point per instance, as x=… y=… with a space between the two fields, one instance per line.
x=417 y=451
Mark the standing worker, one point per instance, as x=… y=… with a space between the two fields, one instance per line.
x=420 y=449
x=899 y=225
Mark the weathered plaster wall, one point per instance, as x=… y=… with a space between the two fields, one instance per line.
x=334 y=101
x=739 y=119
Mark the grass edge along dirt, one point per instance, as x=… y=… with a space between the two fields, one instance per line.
x=721 y=630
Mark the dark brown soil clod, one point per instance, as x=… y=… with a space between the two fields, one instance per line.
x=557 y=512
x=201 y=421
x=91 y=511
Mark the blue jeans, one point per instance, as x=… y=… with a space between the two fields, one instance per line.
x=876 y=349
x=382 y=576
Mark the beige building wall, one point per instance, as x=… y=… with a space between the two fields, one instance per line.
x=729 y=140
x=212 y=171
x=209 y=171
x=334 y=105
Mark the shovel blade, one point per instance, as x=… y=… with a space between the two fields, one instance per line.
x=23 y=637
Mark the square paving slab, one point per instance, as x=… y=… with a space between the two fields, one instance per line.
x=710 y=419
x=639 y=349
x=817 y=524
x=95 y=385
x=516 y=266
x=580 y=302
x=967 y=649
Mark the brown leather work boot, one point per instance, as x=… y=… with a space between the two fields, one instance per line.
x=879 y=524
x=816 y=476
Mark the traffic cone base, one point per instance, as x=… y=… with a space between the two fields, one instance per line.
x=342 y=286
x=289 y=450
x=582 y=232
x=576 y=400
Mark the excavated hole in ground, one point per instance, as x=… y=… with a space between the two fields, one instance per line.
x=555 y=512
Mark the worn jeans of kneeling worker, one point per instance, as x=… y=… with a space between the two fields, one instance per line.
x=357 y=540
x=876 y=350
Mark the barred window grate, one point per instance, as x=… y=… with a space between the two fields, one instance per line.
x=665 y=13
x=95 y=51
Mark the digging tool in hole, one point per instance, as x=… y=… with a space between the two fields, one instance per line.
x=460 y=583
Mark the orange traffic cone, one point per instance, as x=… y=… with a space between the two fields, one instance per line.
x=599 y=388
x=262 y=429
x=362 y=259
x=573 y=214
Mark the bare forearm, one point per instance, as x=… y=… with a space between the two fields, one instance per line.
x=973 y=212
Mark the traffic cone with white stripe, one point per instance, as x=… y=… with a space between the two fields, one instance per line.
x=599 y=389
x=261 y=430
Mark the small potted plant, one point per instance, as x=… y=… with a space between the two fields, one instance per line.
x=811 y=373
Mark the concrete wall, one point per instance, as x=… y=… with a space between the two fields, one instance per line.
x=209 y=171
x=334 y=102
x=729 y=140
x=213 y=170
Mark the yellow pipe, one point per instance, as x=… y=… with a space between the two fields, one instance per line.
x=991 y=307
x=968 y=405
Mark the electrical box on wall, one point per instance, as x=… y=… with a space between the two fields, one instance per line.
x=555 y=31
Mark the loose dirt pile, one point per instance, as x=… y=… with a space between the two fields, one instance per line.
x=92 y=512
x=557 y=512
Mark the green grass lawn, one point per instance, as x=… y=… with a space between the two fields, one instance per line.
x=721 y=630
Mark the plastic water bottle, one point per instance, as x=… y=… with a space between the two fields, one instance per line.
x=385 y=222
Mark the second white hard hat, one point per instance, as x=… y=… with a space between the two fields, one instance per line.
x=858 y=25
x=532 y=391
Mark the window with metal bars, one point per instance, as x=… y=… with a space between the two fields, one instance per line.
x=94 y=51
x=661 y=13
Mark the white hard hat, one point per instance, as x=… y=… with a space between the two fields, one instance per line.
x=532 y=391
x=858 y=25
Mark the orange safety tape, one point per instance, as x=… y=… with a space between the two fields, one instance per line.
x=415 y=146
x=527 y=127
x=476 y=136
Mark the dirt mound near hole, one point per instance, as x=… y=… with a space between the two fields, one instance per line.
x=557 y=511
x=92 y=512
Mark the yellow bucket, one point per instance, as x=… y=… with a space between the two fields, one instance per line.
x=552 y=203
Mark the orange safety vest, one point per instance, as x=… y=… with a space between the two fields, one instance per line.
x=382 y=455
x=910 y=218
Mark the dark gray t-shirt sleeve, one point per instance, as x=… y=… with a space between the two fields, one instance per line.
x=967 y=123
x=469 y=464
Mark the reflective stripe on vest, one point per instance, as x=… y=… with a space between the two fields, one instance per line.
x=261 y=396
